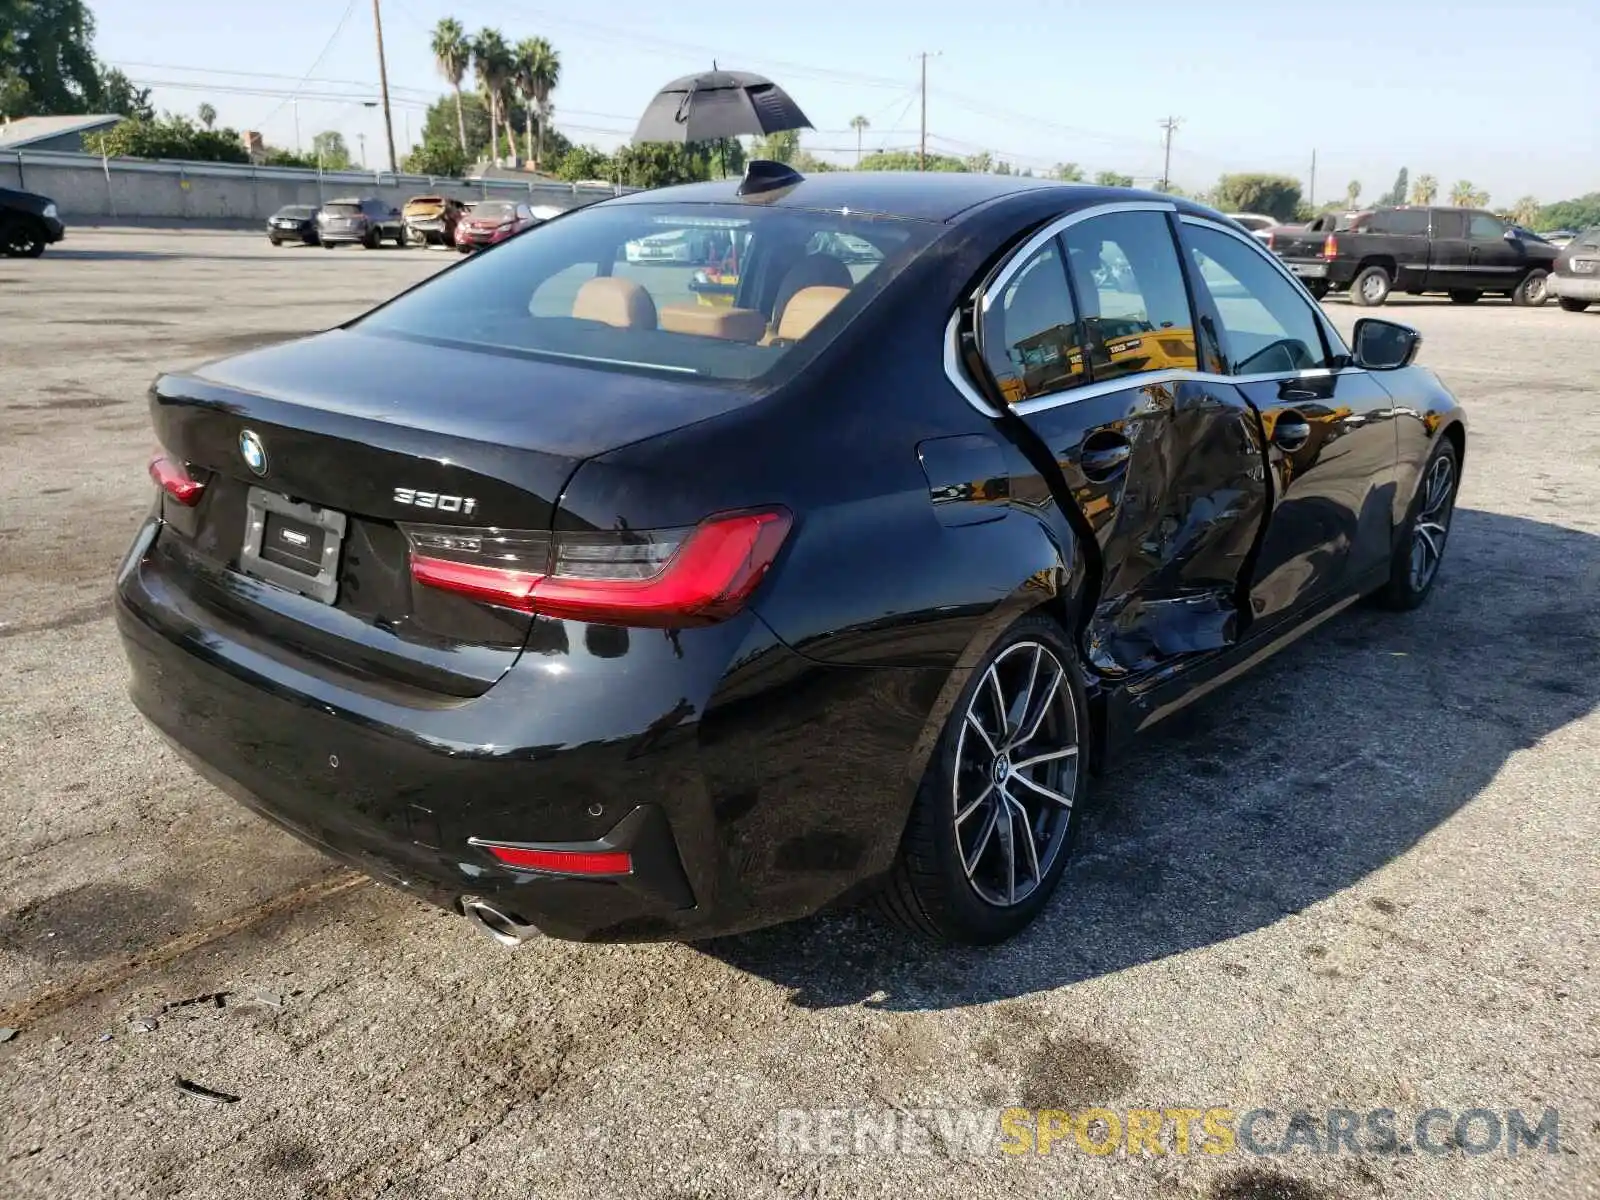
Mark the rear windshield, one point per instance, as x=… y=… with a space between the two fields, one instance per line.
x=1589 y=239
x=342 y=210
x=495 y=210
x=717 y=291
x=297 y=210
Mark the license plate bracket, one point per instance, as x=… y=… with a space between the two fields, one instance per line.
x=268 y=514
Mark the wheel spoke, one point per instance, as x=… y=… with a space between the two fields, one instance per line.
x=972 y=720
x=1023 y=739
x=1027 y=832
x=1047 y=792
x=1429 y=542
x=973 y=807
x=1049 y=756
x=970 y=862
x=1027 y=694
x=999 y=701
x=1008 y=842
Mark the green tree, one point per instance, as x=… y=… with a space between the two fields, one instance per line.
x=331 y=151
x=808 y=163
x=1580 y=213
x=438 y=156
x=583 y=163
x=981 y=163
x=908 y=160
x=492 y=64
x=777 y=147
x=860 y=125
x=276 y=157
x=451 y=53
x=1067 y=172
x=1272 y=195
x=119 y=95
x=1464 y=195
x=171 y=136
x=1526 y=211
x=1113 y=179
x=661 y=164
x=1401 y=189
x=1425 y=190
x=207 y=115
x=47 y=62
x=1352 y=193
x=537 y=71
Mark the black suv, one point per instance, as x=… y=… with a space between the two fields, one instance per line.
x=1462 y=252
x=28 y=223
x=367 y=220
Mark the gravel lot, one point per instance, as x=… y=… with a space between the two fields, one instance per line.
x=1365 y=877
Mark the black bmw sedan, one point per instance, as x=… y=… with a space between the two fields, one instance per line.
x=574 y=601
x=293 y=223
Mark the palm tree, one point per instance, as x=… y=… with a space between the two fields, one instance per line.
x=451 y=53
x=1424 y=190
x=538 y=71
x=1352 y=193
x=491 y=63
x=208 y=115
x=1526 y=211
x=1463 y=194
x=860 y=125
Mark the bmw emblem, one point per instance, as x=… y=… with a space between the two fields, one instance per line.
x=253 y=452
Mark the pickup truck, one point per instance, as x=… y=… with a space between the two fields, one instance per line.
x=1461 y=252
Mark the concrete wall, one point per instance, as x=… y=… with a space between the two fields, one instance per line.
x=85 y=187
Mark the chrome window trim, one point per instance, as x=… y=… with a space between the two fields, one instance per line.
x=954 y=372
x=1335 y=342
x=1026 y=251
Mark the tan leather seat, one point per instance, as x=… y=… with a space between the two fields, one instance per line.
x=730 y=324
x=612 y=301
x=805 y=308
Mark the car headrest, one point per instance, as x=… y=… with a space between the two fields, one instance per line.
x=613 y=301
x=814 y=270
x=807 y=307
x=730 y=324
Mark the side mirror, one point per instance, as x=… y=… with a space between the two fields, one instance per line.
x=1384 y=345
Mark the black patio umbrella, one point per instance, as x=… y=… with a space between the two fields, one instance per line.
x=718 y=104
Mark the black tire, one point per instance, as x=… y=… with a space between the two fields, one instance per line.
x=1317 y=287
x=1533 y=291
x=371 y=240
x=930 y=890
x=328 y=245
x=275 y=242
x=1370 y=287
x=1569 y=304
x=1462 y=296
x=1404 y=590
x=22 y=237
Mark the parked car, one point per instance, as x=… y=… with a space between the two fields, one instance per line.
x=1462 y=252
x=1256 y=223
x=492 y=221
x=367 y=221
x=28 y=223
x=1559 y=237
x=293 y=223
x=682 y=246
x=556 y=599
x=1576 y=281
x=431 y=220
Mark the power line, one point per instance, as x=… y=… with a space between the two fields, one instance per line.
x=328 y=45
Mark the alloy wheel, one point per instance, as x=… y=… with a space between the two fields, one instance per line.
x=1372 y=288
x=1016 y=774
x=1432 y=525
x=1533 y=291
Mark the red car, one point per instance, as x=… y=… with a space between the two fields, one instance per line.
x=491 y=221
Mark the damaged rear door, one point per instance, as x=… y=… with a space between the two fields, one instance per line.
x=1090 y=337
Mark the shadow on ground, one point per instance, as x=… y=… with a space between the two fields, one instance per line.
x=1295 y=783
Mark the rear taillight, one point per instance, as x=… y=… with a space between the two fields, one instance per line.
x=663 y=577
x=1330 y=248
x=174 y=479
x=1270 y=239
x=566 y=862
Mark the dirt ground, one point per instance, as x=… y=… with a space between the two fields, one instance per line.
x=1366 y=877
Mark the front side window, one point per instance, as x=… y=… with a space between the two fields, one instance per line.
x=1270 y=328
x=1447 y=224
x=1484 y=228
x=722 y=292
x=1032 y=342
x=1136 y=314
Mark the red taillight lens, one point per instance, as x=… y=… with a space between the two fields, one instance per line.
x=1330 y=248
x=567 y=862
x=175 y=481
x=662 y=578
x=1270 y=239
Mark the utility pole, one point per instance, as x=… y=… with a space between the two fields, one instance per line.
x=383 y=83
x=1311 y=197
x=922 y=150
x=1170 y=124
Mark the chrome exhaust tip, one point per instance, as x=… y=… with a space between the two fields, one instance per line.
x=492 y=923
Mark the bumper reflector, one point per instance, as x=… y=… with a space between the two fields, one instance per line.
x=564 y=862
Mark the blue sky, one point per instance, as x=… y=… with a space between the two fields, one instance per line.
x=1503 y=96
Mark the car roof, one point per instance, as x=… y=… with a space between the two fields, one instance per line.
x=917 y=195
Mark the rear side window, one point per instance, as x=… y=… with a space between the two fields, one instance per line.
x=1449 y=224
x=717 y=291
x=1032 y=343
x=1269 y=326
x=1136 y=314
x=1409 y=222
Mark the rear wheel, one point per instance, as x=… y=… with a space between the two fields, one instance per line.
x=1568 y=304
x=1462 y=296
x=371 y=240
x=327 y=245
x=1416 y=559
x=1533 y=291
x=1317 y=287
x=997 y=811
x=1370 y=287
x=274 y=241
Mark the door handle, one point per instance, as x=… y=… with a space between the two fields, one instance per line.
x=1104 y=456
x=1291 y=431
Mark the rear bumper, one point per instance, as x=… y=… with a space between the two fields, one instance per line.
x=1576 y=287
x=743 y=823
x=1331 y=270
